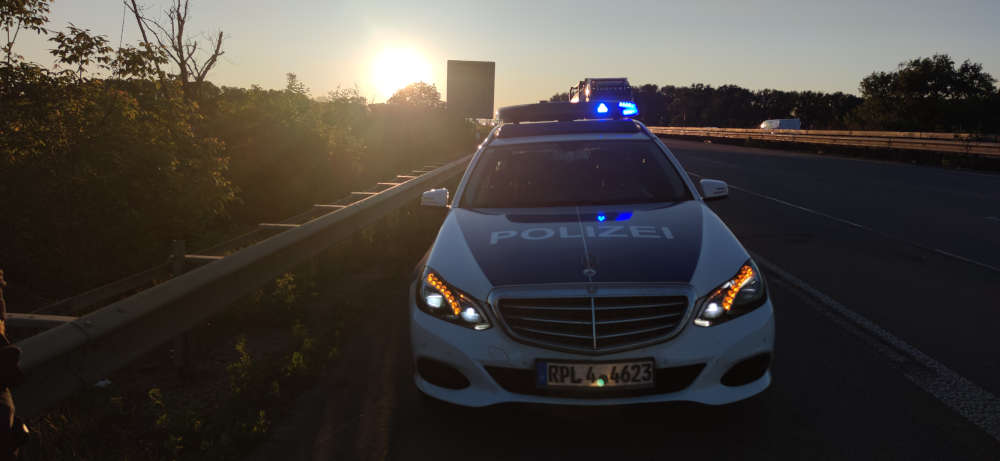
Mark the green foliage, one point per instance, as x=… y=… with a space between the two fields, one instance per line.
x=730 y=106
x=182 y=432
x=931 y=94
x=18 y=15
x=239 y=371
x=138 y=63
x=98 y=168
x=201 y=416
x=285 y=290
x=923 y=94
x=262 y=424
x=296 y=364
x=79 y=49
x=295 y=86
x=418 y=94
x=288 y=151
x=100 y=174
x=560 y=97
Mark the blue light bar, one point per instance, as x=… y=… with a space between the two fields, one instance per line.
x=601 y=217
x=567 y=111
x=628 y=108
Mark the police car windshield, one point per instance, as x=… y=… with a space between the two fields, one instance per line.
x=573 y=173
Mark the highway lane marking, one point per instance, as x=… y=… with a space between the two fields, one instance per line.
x=862 y=227
x=974 y=403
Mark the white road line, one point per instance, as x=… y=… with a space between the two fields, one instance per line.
x=966 y=398
x=862 y=227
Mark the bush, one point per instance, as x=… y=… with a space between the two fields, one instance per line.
x=98 y=176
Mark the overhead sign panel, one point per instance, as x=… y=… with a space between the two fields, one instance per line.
x=470 y=88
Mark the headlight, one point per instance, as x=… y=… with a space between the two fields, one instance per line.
x=437 y=298
x=739 y=295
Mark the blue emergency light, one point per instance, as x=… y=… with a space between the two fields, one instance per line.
x=613 y=216
x=628 y=108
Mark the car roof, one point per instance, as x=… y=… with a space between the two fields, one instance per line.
x=571 y=138
x=522 y=130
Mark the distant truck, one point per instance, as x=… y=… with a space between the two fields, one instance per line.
x=781 y=124
x=601 y=89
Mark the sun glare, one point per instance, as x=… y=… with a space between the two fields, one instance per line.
x=394 y=68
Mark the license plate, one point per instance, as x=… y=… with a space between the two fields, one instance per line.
x=636 y=373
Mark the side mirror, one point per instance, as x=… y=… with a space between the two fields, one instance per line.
x=435 y=198
x=713 y=189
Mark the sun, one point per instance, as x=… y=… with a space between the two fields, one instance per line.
x=394 y=68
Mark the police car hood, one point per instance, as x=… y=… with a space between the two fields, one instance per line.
x=636 y=243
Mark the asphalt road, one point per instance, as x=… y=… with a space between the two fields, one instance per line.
x=884 y=278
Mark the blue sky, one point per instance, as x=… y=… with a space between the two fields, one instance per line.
x=541 y=47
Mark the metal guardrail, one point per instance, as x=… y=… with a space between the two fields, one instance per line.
x=113 y=291
x=867 y=134
x=79 y=352
x=106 y=292
x=958 y=143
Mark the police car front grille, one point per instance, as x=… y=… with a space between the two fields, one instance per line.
x=610 y=323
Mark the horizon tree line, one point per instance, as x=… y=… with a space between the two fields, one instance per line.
x=922 y=94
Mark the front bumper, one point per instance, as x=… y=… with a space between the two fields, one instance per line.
x=471 y=352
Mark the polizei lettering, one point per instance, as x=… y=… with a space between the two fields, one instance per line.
x=574 y=232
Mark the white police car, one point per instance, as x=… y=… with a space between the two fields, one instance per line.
x=578 y=264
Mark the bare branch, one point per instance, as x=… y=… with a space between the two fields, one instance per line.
x=141 y=22
x=138 y=20
x=192 y=47
x=173 y=41
x=210 y=62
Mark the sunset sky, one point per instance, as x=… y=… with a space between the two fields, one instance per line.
x=541 y=47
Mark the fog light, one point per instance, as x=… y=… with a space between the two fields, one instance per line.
x=470 y=315
x=434 y=300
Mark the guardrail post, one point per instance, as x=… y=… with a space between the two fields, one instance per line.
x=182 y=343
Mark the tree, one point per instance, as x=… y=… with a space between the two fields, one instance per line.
x=652 y=104
x=559 y=97
x=176 y=44
x=823 y=110
x=929 y=94
x=136 y=63
x=120 y=162
x=344 y=96
x=294 y=85
x=16 y=15
x=418 y=94
x=80 y=49
x=771 y=103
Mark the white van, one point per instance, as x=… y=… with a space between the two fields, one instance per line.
x=781 y=124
